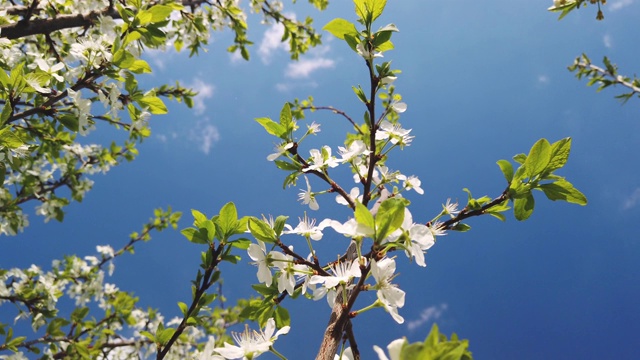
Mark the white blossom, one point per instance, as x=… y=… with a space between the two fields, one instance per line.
x=307 y=197
x=251 y=343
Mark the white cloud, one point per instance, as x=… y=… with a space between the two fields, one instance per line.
x=543 y=79
x=236 y=57
x=607 y=41
x=427 y=315
x=205 y=135
x=289 y=86
x=617 y=5
x=303 y=68
x=271 y=42
x=631 y=201
x=204 y=90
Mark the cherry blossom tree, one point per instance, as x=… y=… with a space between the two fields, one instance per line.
x=70 y=68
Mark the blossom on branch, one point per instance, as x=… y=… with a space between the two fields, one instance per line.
x=307 y=197
x=251 y=343
x=390 y=295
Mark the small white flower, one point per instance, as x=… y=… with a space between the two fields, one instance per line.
x=389 y=294
x=395 y=133
x=451 y=208
x=258 y=253
x=252 y=343
x=437 y=229
x=365 y=53
x=354 y=194
x=279 y=150
x=343 y=272
x=399 y=107
x=307 y=197
x=394 y=348
x=321 y=159
x=411 y=182
x=347 y=354
x=288 y=272
x=352 y=228
x=356 y=148
x=418 y=238
x=306 y=227
x=314 y=128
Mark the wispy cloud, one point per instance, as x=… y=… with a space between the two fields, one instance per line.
x=205 y=135
x=617 y=5
x=608 y=42
x=204 y=90
x=300 y=71
x=304 y=68
x=632 y=200
x=543 y=79
x=290 y=86
x=272 y=41
x=427 y=315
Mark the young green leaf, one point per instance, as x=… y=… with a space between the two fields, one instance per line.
x=507 y=169
x=538 y=158
x=195 y=236
x=261 y=230
x=198 y=217
x=286 y=119
x=341 y=27
x=228 y=219
x=523 y=207
x=559 y=154
x=389 y=217
x=363 y=216
x=272 y=127
x=155 y=105
x=563 y=190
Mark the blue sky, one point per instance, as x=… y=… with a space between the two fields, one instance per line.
x=483 y=81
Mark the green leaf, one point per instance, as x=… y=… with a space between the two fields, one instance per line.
x=163 y=336
x=507 y=169
x=286 y=120
x=144 y=17
x=155 y=105
x=160 y=13
x=123 y=59
x=360 y=93
x=272 y=127
x=242 y=243
x=282 y=317
x=148 y=335
x=6 y=112
x=198 y=217
x=183 y=308
x=9 y=139
x=278 y=225
x=461 y=227
x=261 y=230
x=287 y=166
x=538 y=158
x=195 y=236
x=520 y=158
x=559 y=154
x=363 y=216
x=69 y=121
x=377 y=7
x=389 y=217
x=563 y=190
x=228 y=218
x=132 y=36
x=341 y=27
x=139 y=67
x=523 y=207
